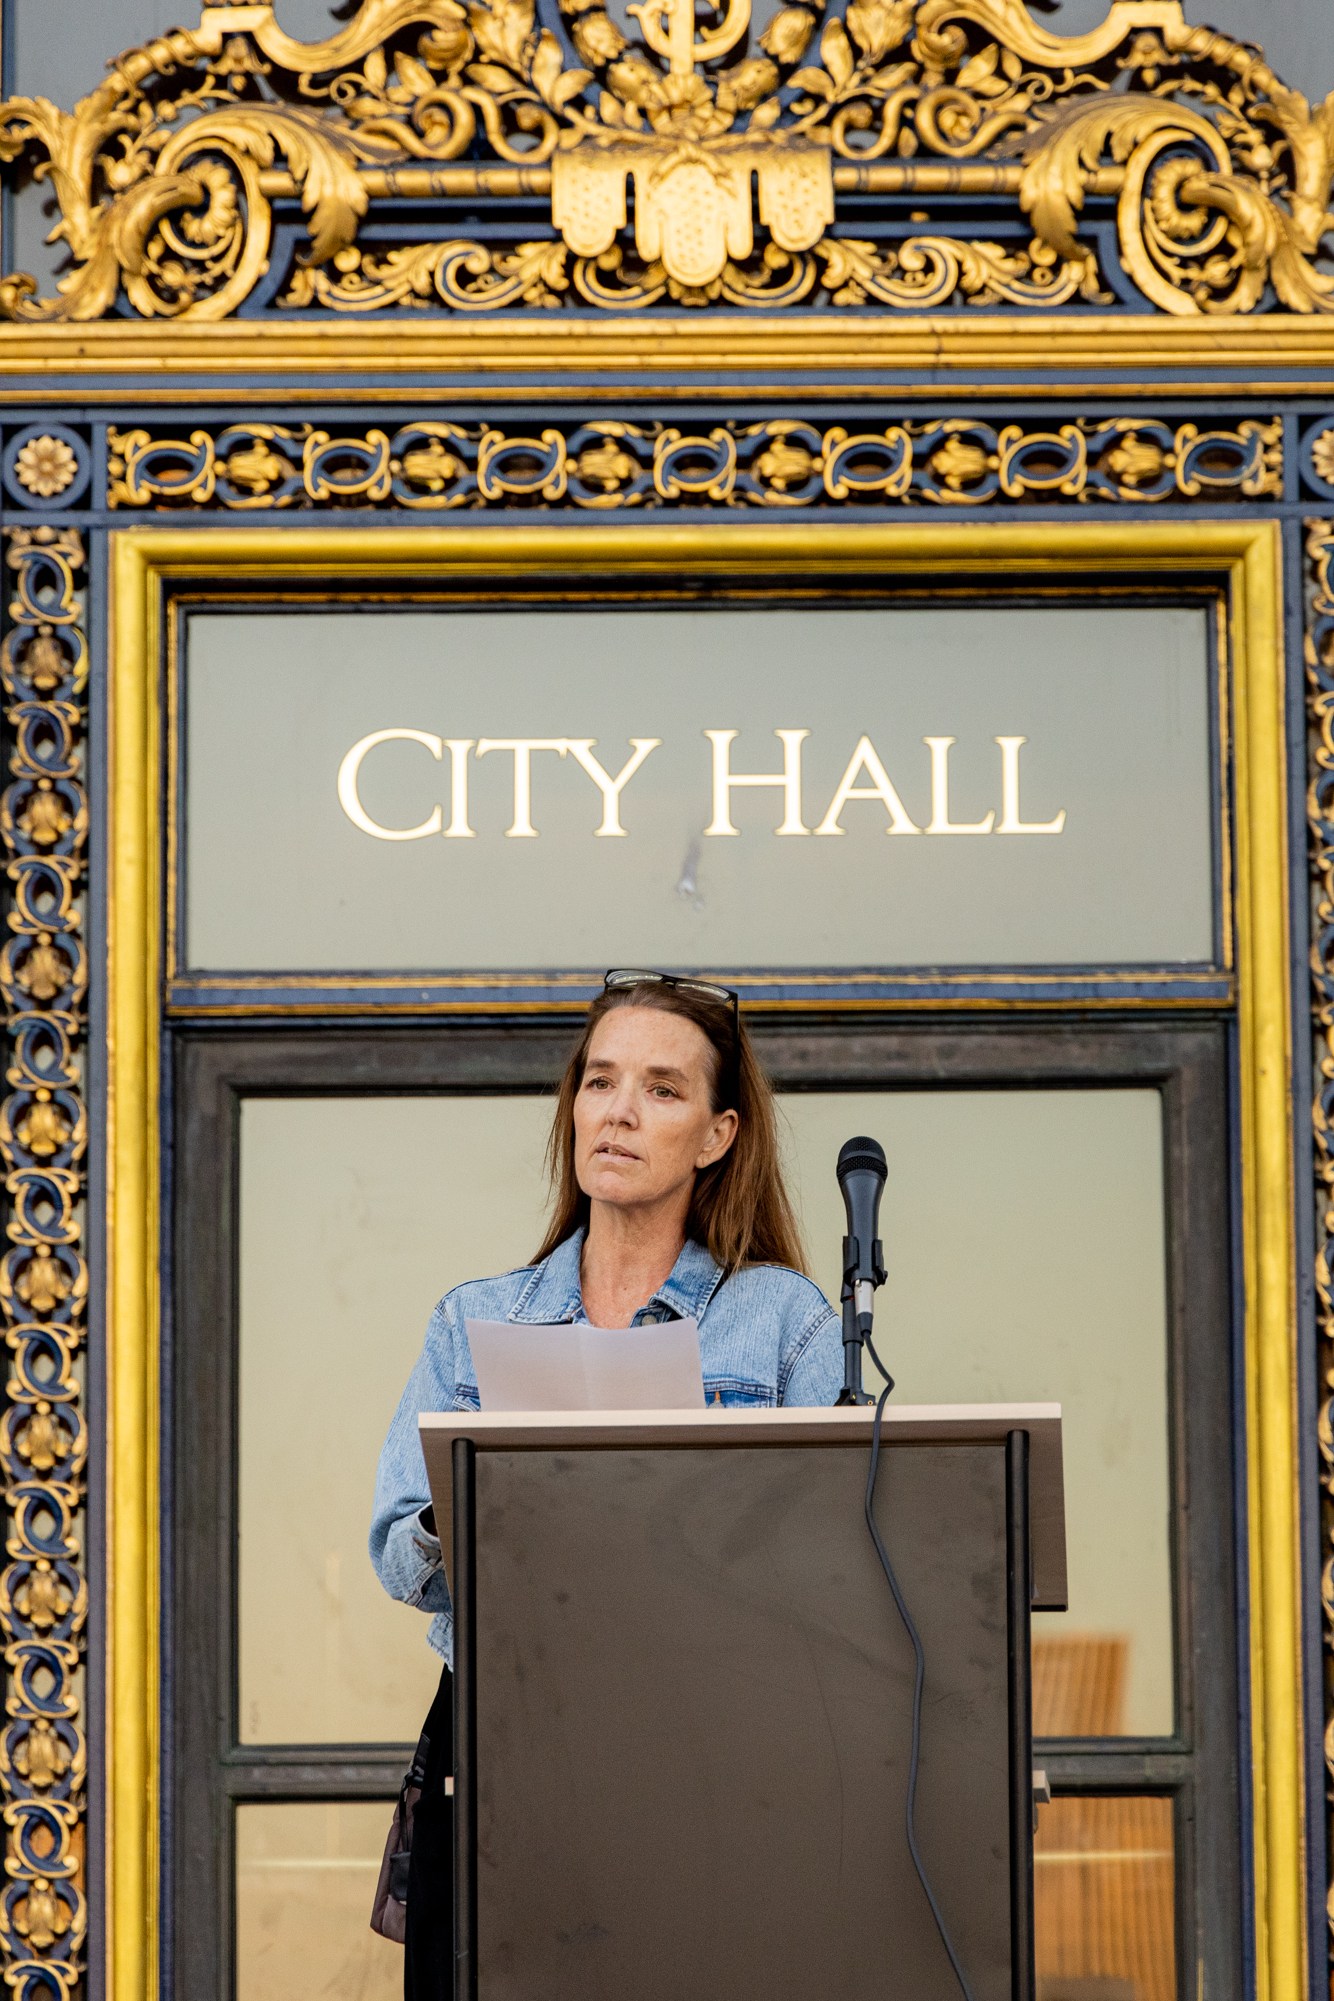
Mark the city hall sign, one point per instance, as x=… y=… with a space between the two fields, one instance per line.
x=466 y=790
x=864 y=778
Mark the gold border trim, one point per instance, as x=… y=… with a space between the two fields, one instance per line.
x=186 y=992
x=133 y=1760
x=1261 y=346
x=1209 y=978
x=1248 y=553
x=995 y=1003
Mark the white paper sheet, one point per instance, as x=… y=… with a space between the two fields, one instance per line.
x=572 y=1366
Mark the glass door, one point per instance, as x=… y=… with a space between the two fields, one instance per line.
x=1055 y=1226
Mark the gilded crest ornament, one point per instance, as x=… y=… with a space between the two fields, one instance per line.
x=183 y=179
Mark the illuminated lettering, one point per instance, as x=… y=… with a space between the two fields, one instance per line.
x=350 y=770
x=1011 y=820
x=941 y=823
x=864 y=778
x=581 y=749
x=522 y=749
x=866 y=758
x=458 y=828
x=725 y=780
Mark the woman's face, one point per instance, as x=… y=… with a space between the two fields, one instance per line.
x=644 y=1123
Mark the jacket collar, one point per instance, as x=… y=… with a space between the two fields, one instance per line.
x=553 y=1292
x=691 y=1284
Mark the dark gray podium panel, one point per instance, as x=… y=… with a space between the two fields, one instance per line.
x=693 y=1708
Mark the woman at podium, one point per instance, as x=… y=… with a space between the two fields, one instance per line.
x=668 y=1203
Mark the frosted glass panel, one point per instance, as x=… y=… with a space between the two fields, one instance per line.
x=356 y=1215
x=305 y=1879
x=1023 y=1232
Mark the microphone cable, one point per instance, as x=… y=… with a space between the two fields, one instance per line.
x=919 y=1657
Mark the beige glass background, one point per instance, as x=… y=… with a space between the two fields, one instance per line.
x=1024 y=1232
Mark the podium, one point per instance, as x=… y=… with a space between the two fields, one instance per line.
x=683 y=1699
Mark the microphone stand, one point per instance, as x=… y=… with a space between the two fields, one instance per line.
x=857 y=1323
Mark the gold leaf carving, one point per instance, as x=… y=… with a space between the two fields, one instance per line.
x=1216 y=174
x=46 y=467
x=788 y=33
x=775 y=462
x=44 y=1278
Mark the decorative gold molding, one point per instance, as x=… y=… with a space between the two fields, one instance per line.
x=1319 y=653
x=544 y=358
x=614 y=463
x=133 y=1295
x=545 y=355
x=167 y=174
x=44 y=1274
x=1247 y=554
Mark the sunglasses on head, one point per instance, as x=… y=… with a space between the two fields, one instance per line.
x=633 y=976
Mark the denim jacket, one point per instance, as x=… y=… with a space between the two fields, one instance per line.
x=767 y=1336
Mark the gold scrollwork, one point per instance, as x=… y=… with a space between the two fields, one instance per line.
x=1215 y=175
x=779 y=462
x=44 y=1274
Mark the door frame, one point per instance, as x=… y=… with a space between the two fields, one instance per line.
x=213 y=1069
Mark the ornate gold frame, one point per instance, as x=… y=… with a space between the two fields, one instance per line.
x=1213 y=172
x=1245 y=554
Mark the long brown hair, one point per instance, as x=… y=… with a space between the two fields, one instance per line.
x=740 y=1210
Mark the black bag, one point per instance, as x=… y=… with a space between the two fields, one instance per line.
x=389 y=1913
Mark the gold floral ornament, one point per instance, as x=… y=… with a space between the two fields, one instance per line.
x=1136 y=461
x=41 y=1442
x=42 y=1918
x=958 y=464
x=43 y=1598
x=738 y=149
x=46 y=467
x=45 y=1128
x=42 y=1758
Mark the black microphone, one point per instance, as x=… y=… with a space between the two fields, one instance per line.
x=861 y=1175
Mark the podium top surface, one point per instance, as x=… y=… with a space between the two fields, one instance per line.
x=903 y=1424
